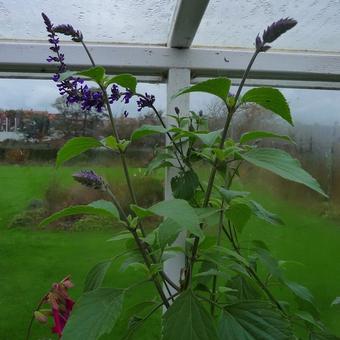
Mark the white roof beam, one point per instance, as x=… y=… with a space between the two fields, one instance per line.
x=185 y=22
x=156 y=61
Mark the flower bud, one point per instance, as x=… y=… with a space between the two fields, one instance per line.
x=90 y=179
x=272 y=32
x=41 y=317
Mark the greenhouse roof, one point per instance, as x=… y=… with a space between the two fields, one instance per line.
x=150 y=37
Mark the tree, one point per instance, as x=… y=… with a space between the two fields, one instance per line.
x=37 y=127
x=73 y=121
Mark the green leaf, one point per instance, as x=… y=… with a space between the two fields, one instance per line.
x=96 y=275
x=253 y=320
x=168 y=231
x=184 y=184
x=271 y=99
x=217 y=86
x=95 y=314
x=146 y=130
x=239 y=214
x=125 y=235
x=282 y=164
x=75 y=147
x=263 y=214
x=228 y=195
x=270 y=263
x=274 y=269
x=253 y=135
x=187 y=319
x=209 y=138
x=160 y=161
x=124 y=80
x=307 y=317
x=336 y=301
x=98 y=208
x=140 y=212
x=181 y=212
x=246 y=288
x=96 y=73
x=301 y=291
x=110 y=142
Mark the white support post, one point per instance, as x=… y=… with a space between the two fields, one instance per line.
x=177 y=79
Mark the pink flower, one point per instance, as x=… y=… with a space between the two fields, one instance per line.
x=61 y=305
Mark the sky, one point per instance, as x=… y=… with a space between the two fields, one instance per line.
x=307 y=106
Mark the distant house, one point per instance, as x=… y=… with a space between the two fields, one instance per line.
x=14 y=124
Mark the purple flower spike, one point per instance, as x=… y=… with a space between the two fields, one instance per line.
x=273 y=32
x=90 y=179
x=127 y=96
x=76 y=35
x=115 y=94
x=146 y=101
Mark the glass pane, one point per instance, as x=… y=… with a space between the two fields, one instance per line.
x=236 y=23
x=126 y=21
x=311 y=234
x=34 y=123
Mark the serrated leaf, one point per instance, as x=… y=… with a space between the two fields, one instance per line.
x=228 y=195
x=253 y=320
x=239 y=214
x=307 y=317
x=98 y=208
x=271 y=99
x=125 y=80
x=301 y=291
x=274 y=269
x=126 y=235
x=181 y=212
x=146 y=130
x=168 y=231
x=96 y=73
x=94 y=314
x=260 y=212
x=282 y=164
x=160 y=161
x=209 y=138
x=187 y=319
x=336 y=301
x=96 y=275
x=110 y=142
x=217 y=86
x=75 y=147
x=184 y=184
x=253 y=135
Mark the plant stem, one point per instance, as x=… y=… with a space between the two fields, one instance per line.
x=130 y=187
x=29 y=329
x=231 y=112
x=252 y=273
x=174 y=144
x=147 y=262
x=218 y=242
x=88 y=53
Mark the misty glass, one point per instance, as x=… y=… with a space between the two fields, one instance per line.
x=119 y=21
x=236 y=24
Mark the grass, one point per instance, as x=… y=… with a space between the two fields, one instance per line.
x=32 y=260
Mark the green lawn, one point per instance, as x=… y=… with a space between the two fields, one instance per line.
x=32 y=260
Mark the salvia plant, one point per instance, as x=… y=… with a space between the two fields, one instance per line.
x=225 y=289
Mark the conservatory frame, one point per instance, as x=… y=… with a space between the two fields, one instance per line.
x=178 y=65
